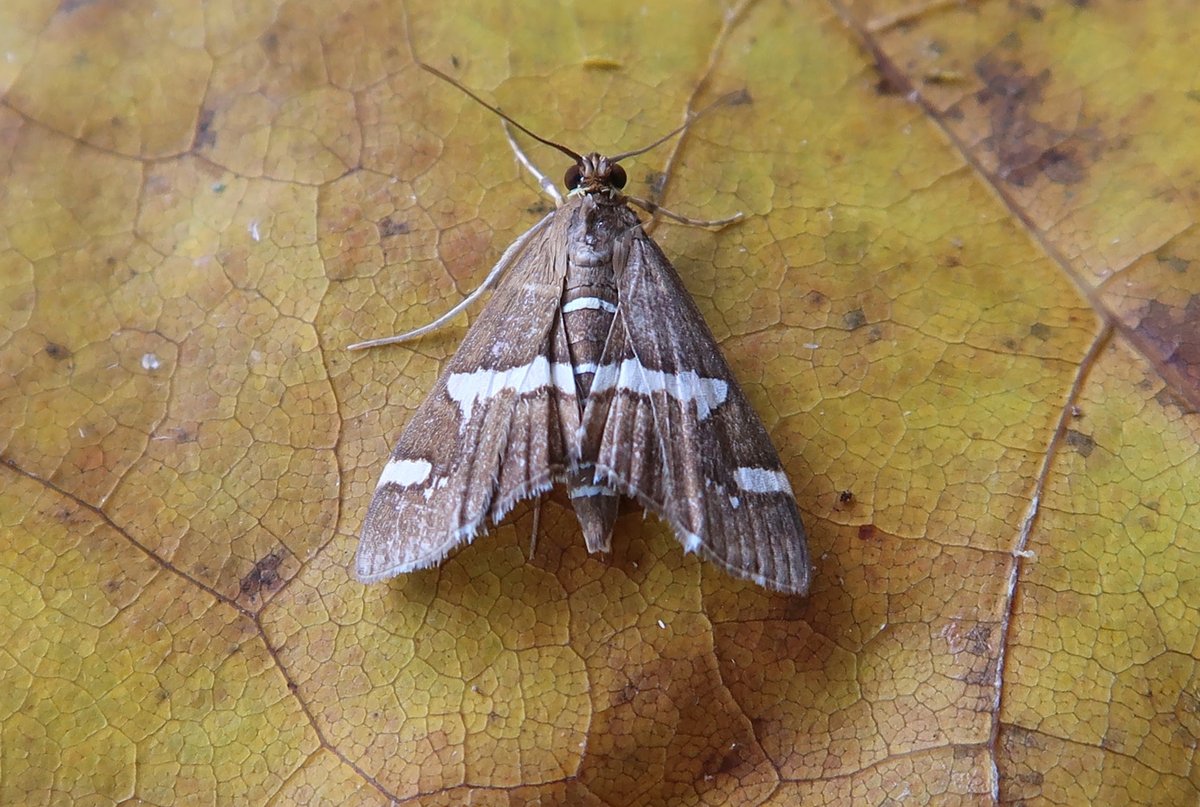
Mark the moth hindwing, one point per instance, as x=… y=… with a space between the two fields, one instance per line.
x=590 y=367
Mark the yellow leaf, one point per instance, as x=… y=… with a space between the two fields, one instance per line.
x=963 y=300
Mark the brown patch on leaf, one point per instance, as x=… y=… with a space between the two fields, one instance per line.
x=1169 y=400
x=389 y=227
x=1027 y=148
x=57 y=352
x=1174 y=263
x=892 y=80
x=726 y=762
x=1040 y=330
x=206 y=135
x=656 y=181
x=979 y=640
x=1175 y=336
x=264 y=575
x=71 y=6
x=853 y=320
x=1082 y=443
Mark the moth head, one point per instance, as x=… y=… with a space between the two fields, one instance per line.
x=595 y=173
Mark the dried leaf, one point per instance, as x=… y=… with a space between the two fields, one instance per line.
x=964 y=301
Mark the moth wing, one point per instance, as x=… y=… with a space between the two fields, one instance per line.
x=668 y=425
x=495 y=429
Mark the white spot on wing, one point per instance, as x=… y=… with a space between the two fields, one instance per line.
x=434 y=485
x=686 y=387
x=405 y=472
x=589 y=490
x=589 y=302
x=762 y=480
x=691 y=542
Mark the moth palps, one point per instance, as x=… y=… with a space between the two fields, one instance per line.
x=590 y=367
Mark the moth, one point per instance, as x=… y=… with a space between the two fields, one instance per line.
x=590 y=367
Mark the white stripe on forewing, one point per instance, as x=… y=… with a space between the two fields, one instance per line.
x=405 y=472
x=762 y=480
x=685 y=387
x=480 y=385
x=589 y=302
x=466 y=389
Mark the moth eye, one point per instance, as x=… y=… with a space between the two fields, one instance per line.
x=573 y=177
x=616 y=177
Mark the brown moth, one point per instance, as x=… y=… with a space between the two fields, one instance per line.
x=590 y=367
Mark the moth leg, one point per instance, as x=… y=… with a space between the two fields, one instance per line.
x=542 y=180
x=537 y=521
x=654 y=209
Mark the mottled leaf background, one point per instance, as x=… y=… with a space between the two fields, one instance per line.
x=964 y=301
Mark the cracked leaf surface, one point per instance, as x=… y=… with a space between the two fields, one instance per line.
x=963 y=301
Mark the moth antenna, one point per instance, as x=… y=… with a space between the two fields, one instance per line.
x=729 y=99
x=574 y=156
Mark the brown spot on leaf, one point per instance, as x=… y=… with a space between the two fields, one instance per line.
x=389 y=227
x=1082 y=443
x=1175 y=263
x=853 y=320
x=206 y=136
x=625 y=694
x=866 y=532
x=983 y=676
x=69 y=6
x=978 y=640
x=892 y=80
x=656 y=181
x=740 y=97
x=264 y=575
x=1175 y=335
x=57 y=352
x=723 y=762
x=1166 y=398
x=846 y=497
x=1027 y=148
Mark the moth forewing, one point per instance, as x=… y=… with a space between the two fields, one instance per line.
x=591 y=367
